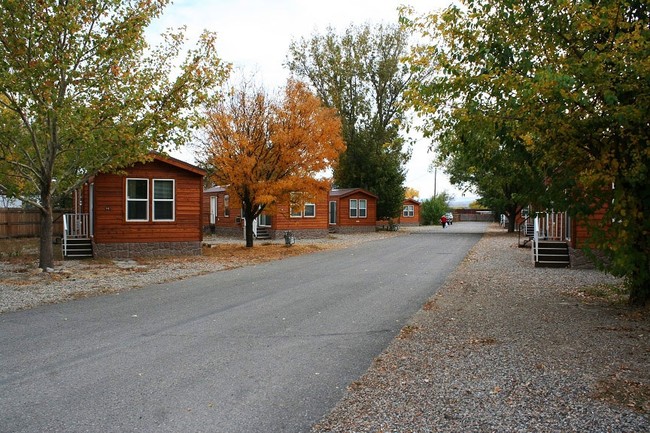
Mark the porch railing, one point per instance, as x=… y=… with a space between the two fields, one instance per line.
x=551 y=226
x=75 y=226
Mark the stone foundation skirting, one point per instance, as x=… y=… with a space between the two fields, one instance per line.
x=355 y=229
x=230 y=232
x=580 y=260
x=146 y=249
x=301 y=234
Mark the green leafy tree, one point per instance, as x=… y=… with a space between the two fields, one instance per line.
x=482 y=155
x=570 y=80
x=432 y=209
x=81 y=91
x=360 y=73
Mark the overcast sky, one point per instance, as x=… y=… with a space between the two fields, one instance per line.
x=254 y=35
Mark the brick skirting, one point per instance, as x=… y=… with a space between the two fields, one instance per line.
x=146 y=249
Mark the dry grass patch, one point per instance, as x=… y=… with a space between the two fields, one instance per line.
x=239 y=255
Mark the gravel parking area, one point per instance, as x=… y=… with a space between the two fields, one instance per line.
x=506 y=347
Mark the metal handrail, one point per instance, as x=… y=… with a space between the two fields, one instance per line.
x=536 y=239
x=65 y=236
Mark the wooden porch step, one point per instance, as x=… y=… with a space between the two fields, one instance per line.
x=553 y=254
x=77 y=249
x=263 y=233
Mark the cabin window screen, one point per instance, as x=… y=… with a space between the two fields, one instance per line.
x=295 y=208
x=163 y=200
x=408 y=211
x=137 y=199
x=310 y=210
x=226 y=205
x=358 y=208
x=353 y=208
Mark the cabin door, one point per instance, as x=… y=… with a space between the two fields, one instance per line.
x=332 y=212
x=213 y=210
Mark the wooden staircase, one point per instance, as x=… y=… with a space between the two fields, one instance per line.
x=78 y=248
x=263 y=233
x=552 y=254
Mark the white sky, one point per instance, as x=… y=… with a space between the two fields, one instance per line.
x=254 y=35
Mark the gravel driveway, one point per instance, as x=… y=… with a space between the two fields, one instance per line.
x=506 y=347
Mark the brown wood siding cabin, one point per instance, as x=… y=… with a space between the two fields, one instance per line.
x=154 y=208
x=222 y=212
x=410 y=215
x=310 y=221
x=352 y=210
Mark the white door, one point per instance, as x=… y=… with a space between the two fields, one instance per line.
x=213 y=210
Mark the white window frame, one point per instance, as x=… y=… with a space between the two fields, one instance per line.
x=129 y=199
x=409 y=211
x=310 y=205
x=155 y=200
x=354 y=208
x=294 y=204
x=363 y=208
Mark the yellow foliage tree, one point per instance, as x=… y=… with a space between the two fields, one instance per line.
x=263 y=150
x=411 y=192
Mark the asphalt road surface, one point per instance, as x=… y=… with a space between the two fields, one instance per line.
x=265 y=348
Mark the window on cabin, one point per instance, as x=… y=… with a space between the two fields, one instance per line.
x=163 y=200
x=354 y=211
x=310 y=210
x=295 y=205
x=137 y=199
x=408 y=211
x=226 y=205
x=358 y=208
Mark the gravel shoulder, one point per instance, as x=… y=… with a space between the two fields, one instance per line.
x=506 y=347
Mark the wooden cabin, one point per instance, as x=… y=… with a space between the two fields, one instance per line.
x=352 y=210
x=150 y=209
x=306 y=218
x=222 y=212
x=410 y=213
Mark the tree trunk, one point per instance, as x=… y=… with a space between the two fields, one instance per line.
x=46 y=255
x=249 y=231
x=639 y=291
x=639 y=281
x=512 y=218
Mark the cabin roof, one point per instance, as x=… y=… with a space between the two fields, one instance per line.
x=180 y=164
x=344 y=192
x=215 y=188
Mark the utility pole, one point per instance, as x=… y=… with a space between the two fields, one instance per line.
x=435 y=181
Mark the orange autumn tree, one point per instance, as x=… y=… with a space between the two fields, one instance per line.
x=262 y=150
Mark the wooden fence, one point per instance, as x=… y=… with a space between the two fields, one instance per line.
x=22 y=223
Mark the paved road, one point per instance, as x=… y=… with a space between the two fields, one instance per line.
x=267 y=348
